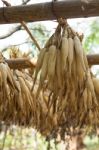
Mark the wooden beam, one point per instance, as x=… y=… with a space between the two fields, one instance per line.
x=22 y=63
x=93 y=59
x=48 y=11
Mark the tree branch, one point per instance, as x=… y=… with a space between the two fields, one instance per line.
x=25 y=2
x=26 y=28
x=31 y=36
x=5 y=48
x=15 y=29
x=21 y=43
x=12 y=31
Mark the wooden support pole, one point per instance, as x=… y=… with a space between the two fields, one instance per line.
x=49 y=11
x=22 y=63
x=93 y=59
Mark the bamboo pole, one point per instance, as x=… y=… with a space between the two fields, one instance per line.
x=22 y=63
x=49 y=11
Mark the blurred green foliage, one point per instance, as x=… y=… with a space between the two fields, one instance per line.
x=92 y=143
x=18 y=138
x=92 y=39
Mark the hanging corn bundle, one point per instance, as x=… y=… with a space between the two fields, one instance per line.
x=70 y=93
x=64 y=94
x=16 y=100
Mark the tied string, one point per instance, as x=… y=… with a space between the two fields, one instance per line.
x=53 y=9
x=60 y=20
x=8 y=5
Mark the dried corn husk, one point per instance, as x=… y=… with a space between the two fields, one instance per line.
x=64 y=95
